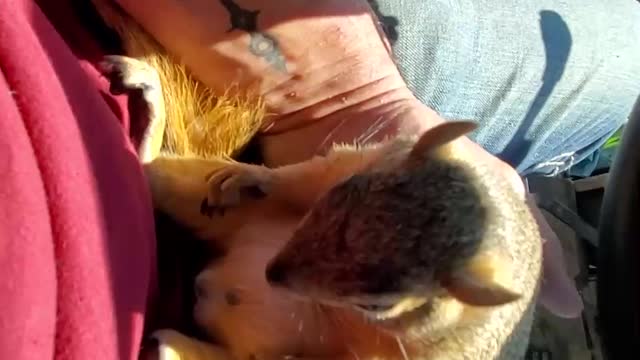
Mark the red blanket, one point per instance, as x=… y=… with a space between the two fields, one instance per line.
x=76 y=226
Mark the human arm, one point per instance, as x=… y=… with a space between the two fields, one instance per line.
x=339 y=70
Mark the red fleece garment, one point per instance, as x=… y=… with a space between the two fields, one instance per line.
x=76 y=223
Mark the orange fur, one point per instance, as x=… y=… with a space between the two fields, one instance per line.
x=199 y=122
x=264 y=322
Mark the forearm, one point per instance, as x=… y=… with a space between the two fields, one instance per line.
x=337 y=81
x=300 y=70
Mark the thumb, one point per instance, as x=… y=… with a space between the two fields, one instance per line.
x=558 y=292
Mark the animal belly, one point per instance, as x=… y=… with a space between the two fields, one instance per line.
x=238 y=308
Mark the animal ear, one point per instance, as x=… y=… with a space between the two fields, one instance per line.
x=440 y=135
x=483 y=281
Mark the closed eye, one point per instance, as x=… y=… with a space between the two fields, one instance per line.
x=374 y=307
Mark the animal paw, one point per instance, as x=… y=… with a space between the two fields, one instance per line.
x=170 y=345
x=146 y=102
x=126 y=74
x=235 y=183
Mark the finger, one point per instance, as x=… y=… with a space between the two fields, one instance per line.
x=558 y=292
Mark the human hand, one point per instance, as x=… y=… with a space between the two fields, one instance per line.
x=558 y=292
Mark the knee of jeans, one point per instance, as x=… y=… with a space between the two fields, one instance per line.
x=581 y=162
x=578 y=120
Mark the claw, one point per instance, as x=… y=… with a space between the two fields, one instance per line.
x=209 y=211
x=232 y=185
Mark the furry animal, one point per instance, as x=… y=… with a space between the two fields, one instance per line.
x=398 y=250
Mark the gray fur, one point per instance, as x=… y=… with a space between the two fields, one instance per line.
x=394 y=229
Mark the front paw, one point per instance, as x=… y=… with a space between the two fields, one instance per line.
x=127 y=74
x=167 y=344
x=233 y=184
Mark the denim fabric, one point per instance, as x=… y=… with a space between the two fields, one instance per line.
x=547 y=80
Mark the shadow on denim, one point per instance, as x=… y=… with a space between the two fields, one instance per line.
x=557 y=44
x=389 y=24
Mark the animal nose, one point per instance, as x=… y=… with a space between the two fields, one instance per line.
x=277 y=273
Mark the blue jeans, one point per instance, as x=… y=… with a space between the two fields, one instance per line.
x=547 y=80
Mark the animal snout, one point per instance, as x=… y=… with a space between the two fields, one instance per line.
x=277 y=273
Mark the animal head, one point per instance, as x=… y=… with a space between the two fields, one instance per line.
x=390 y=239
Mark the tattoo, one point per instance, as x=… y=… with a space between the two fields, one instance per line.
x=266 y=46
x=261 y=44
x=241 y=19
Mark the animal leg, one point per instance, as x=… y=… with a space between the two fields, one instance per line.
x=173 y=345
x=178 y=186
x=176 y=183
x=142 y=82
x=297 y=185
x=235 y=183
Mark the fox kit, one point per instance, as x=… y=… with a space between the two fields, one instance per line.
x=401 y=249
x=396 y=250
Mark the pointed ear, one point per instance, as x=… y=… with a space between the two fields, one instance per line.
x=483 y=281
x=439 y=136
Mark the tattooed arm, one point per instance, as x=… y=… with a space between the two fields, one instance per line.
x=315 y=63
x=324 y=68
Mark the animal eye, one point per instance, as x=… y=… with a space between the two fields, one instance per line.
x=374 y=307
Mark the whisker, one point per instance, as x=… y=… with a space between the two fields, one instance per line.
x=373 y=130
x=317 y=318
x=402 y=349
x=354 y=353
x=330 y=134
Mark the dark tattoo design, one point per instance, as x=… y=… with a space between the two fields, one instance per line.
x=262 y=44
x=389 y=24
x=241 y=19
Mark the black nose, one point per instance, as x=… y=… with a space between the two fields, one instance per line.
x=276 y=273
